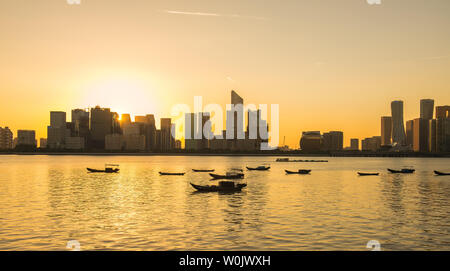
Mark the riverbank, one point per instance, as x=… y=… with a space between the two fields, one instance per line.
x=259 y=154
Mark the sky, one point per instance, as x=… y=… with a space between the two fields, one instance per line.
x=328 y=64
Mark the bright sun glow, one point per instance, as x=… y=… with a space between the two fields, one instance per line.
x=122 y=95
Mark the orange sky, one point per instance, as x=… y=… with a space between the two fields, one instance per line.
x=330 y=65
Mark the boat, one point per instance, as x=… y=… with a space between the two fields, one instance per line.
x=203 y=170
x=403 y=170
x=368 y=174
x=109 y=168
x=439 y=173
x=259 y=168
x=300 y=171
x=304 y=161
x=229 y=175
x=172 y=173
x=224 y=186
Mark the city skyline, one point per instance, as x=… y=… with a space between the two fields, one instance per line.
x=138 y=58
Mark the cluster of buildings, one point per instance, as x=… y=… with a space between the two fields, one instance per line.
x=101 y=129
x=199 y=134
x=422 y=134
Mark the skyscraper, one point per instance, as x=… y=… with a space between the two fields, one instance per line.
x=354 y=144
x=26 y=138
x=420 y=135
x=386 y=130
x=166 y=140
x=443 y=128
x=57 y=131
x=426 y=109
x=101 y=125
x=333 y=141
x=410 y=133
x=398 y=128
x=6 y=139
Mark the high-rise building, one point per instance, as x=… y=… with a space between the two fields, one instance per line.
x=426 y=109
x=57 y=131
x=167 y=141
x=333 y=141
x=125 y=119
x=371 y=143
x=420 y=135
x=235 y=120
x=101 y=124
x=26 y=138
x=398 y=128
x=432 y=135
x=311 y=141
x=410 y=133
x=149 y=130
x=386 y=130
x=80 y=124
x=6 y=139
x=354 y=144
x=443 y=128
x=43 y=143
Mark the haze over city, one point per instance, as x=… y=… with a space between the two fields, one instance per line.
x=333 y=68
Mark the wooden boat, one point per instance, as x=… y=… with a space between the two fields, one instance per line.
x=300 y=171
x=203 y=170
x=259 y=168
x=439 y=173
x=229 y=175
x=403 y=170
x=109 y=168
x=368 y=174
x=171 y=173
x=310 y=161
x=222 y=187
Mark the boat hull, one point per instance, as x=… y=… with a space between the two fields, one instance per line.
x=92 y=170
x=301 y=171
x=258 y=168
x=170 y=174
x=234 y=176
x=403 y=171
x=215 y=188
x=439 y=173
x=203 y=170
x=368 y=174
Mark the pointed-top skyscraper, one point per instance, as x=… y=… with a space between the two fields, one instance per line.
x=398 y=128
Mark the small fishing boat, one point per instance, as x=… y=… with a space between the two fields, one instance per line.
x=300 y=171
x=172 y=173
x=305 y=161
x=203 y=170
x=403 y=170
x=229 y=175
x=109 y=168
x=222 y=187
x=259 y=168
x=368 y=174
x=439 y=173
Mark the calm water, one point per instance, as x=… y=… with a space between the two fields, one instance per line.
x=45 y=201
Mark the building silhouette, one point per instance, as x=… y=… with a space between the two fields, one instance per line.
x=101 y=125
x=398 y=128
x=333 y=141
x=57 y=131
x=426 y=109
x=354 y=144
x=443 y=128
x=386 y=130
x=410 y=133
x=6 y=139
x=311 y=141
x=420 y=135
x=26 y=138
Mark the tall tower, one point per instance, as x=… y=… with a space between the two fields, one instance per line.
x=426 y=109
x=398 y=128
x=386 y=130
